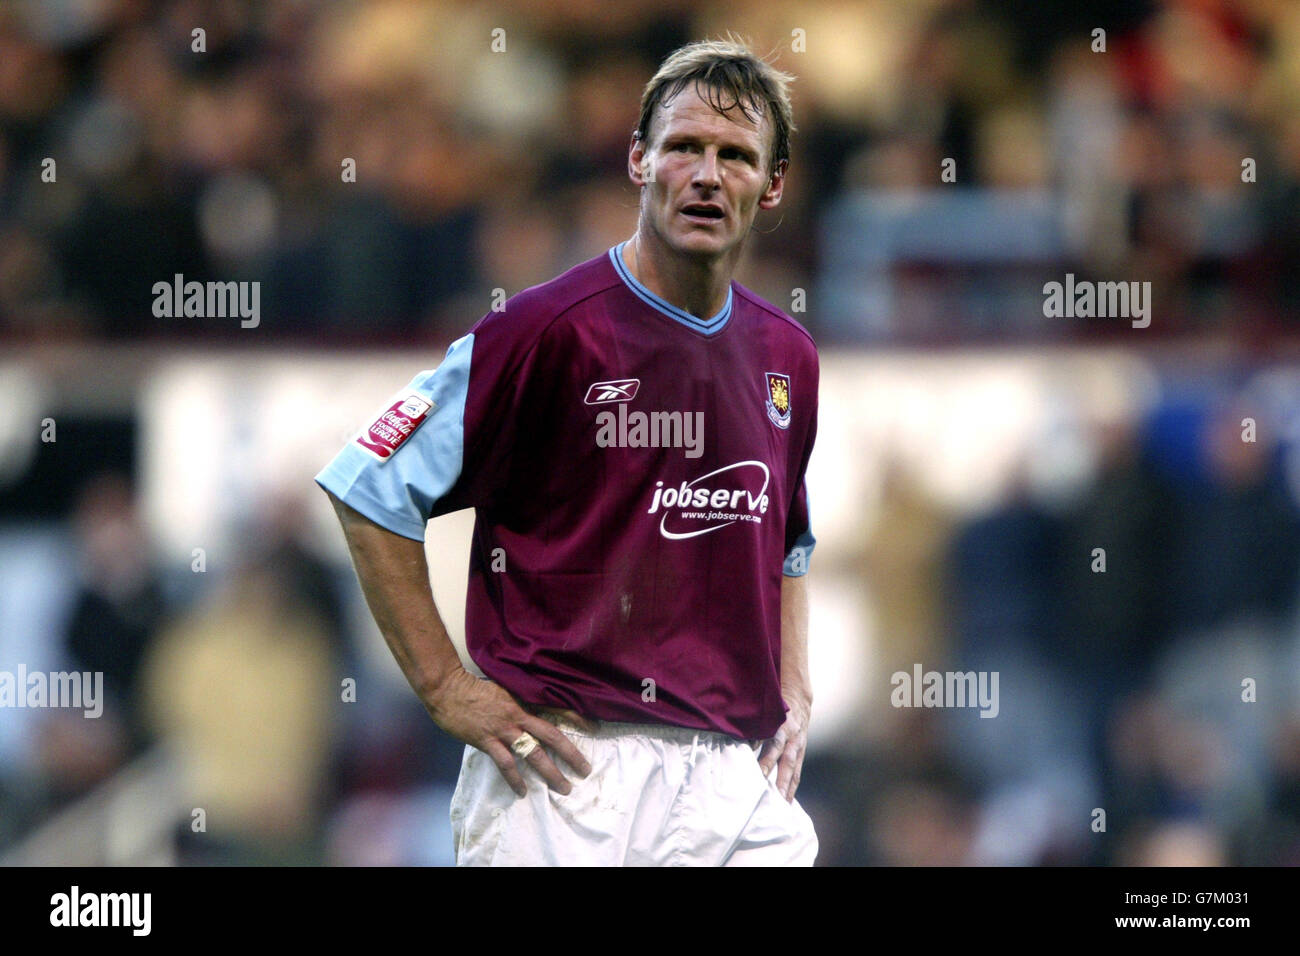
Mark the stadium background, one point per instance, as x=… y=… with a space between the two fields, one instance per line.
x=972 y=452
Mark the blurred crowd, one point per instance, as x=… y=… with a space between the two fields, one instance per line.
x=1173 y=157
x=489 y=148
x=1157 y=681
x=239 y=675
x=1143 y=623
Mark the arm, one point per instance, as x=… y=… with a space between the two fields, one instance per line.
x=394 y=577
x=787 y=748
x=795 y=679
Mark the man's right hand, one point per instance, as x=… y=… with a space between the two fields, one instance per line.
x=394 y=577
x=483 y=714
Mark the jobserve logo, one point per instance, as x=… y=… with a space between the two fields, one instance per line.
x=726 y=496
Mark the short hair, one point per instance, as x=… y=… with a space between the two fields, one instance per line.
x=725 y=68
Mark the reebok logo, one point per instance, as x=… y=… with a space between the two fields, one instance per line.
x=619 y=390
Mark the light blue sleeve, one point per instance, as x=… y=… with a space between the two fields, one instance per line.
x=796 y=562
x=799 y=556
x=399 y=492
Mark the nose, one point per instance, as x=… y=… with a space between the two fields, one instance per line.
x=706 y=171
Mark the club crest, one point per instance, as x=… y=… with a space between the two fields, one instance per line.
x=778 y=399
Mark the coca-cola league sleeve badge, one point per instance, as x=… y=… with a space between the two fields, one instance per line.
x=394 y=425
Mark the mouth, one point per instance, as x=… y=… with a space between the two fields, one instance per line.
x=703 y=213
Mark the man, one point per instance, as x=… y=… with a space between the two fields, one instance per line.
x=633 y=436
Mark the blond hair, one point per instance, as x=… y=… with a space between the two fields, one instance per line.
x=727 y=74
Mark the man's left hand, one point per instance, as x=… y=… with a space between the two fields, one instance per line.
x=785 y=750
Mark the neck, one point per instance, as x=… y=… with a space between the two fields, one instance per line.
x=697 y=285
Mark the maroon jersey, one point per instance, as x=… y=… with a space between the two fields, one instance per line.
x=637 y=475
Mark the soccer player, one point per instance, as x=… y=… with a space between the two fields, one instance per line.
x=633 y=436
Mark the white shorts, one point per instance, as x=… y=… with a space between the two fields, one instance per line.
x=656 y=796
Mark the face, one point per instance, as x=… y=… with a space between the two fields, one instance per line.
x=698 y=156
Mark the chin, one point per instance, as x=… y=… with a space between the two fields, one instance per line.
x=699 y=243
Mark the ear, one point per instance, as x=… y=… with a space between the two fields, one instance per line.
x=640 y=174
x=775 y=185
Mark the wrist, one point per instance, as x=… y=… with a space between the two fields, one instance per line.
x=429 y=685
x=798 y=693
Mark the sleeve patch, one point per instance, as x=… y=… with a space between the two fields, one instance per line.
x=395 y=425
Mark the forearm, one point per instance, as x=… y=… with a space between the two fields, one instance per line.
x=394 y=578
x=795 y=677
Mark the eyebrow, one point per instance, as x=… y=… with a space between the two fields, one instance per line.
x=748 y=153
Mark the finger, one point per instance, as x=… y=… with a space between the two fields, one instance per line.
x=540 y=758
x=553 y=737
x=771 y=752
x=505 y=761
x=571 y=716
x=787 y=778
x=586 y=723
x=542 y=763
x=762 y=759
x=794 y=785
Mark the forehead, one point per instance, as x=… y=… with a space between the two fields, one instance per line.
x=688 y=111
